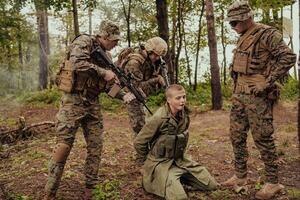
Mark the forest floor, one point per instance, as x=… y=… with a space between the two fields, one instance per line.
x=23 y=172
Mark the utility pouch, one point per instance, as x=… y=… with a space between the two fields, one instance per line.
x=65 y=77
x=240 y=62
x=114 y=90
x=159 y=148
x=170 y=146
x=181 y=142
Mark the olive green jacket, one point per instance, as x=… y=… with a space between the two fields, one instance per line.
x=156 y=169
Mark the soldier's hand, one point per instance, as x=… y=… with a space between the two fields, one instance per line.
x=128 y=97
x=109 y=75
x=161 y=80
x=259 y=88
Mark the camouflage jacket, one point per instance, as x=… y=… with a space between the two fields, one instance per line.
x=143 y=71
x=261 y=50
x=89 y=75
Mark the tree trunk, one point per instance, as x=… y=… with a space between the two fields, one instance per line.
x=90 y=13
x=127 y=17
x=163 y=32
x=198 y=45
x=43 y=63
x=186 y=55
x=223 y=47
x=299 y=84
x=187 y=61
x=214 y=66
x=75 y=18
x=42 y=21
x=180 y=36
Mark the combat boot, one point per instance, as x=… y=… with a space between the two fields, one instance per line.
x=88 y=194
x=269 y=190
x=233 y=181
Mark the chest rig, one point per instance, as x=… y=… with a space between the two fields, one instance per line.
x=172 y=138
x=84 y=80
x=249 y=57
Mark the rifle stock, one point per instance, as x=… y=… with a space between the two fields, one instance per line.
x=99 y=55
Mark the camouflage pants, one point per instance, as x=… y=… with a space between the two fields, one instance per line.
x=255 y=113
x=136 y=116
x=71 y=115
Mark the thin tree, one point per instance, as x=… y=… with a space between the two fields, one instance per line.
x=90 y=14
x=75 y=17
x=299 y=85
x=42 y=21
x=163 y=32
x=223 y=46
x=180 y=6
x=198 y=44
x=214 y=66
x=127 y=17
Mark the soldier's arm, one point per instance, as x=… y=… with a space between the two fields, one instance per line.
x=80 y=55
x=147 y=134
x=283 y=56
x=133 y=67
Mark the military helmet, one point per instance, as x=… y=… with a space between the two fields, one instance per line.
x=157 y=45
x=239 y=11
x=108 y=29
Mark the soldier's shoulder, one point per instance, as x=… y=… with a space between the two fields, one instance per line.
x=136 y=56
x=83 y=39
x=271 y=36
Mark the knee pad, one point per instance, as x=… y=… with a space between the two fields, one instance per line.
x=61 y=152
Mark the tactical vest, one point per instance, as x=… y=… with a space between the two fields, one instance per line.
x=247 y=60
x=171 y=142
x=72 y=79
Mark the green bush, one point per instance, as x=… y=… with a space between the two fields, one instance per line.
x=107 y=190
x=48 y=96
x=290 y=90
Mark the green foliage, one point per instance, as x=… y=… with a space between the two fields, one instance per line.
x=107 y=190
x=14 y=196
x=48 y=96
x=290 y=90
x=157 y=99
x=110 y=104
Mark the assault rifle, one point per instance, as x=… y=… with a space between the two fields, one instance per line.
x=126 y=81
x=164 y=72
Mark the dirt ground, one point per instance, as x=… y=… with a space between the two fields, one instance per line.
x=23 y=173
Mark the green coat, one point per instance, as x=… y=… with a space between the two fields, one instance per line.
x=156 y=169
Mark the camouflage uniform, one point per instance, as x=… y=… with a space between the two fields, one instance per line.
x=162 y=142
x=80 y=107
x=145 y=75
x=260 y=58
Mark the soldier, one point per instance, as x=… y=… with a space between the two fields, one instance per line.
x=142 y=63
x=82 y=79
x=261 y=57
x=162 y=143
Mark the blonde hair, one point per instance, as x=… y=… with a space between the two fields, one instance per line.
x=173 y=87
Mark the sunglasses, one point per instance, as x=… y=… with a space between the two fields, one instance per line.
x=234 y=23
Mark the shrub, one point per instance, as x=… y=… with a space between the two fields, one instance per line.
x=290 y=90
x=48 y=96
x=107 y=190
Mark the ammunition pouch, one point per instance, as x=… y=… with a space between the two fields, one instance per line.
x=170 y=146
x=65 y=78
x=181 y=142
x=246 y=60
x=240 y=63
x=88 y=84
